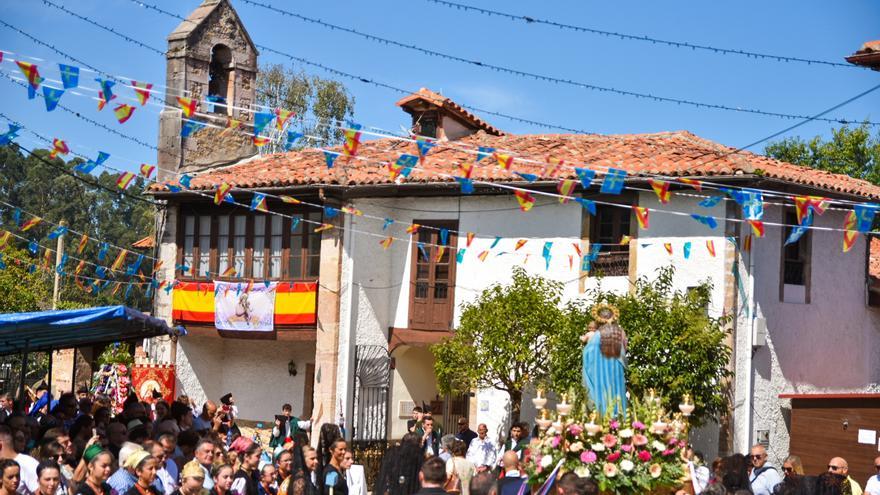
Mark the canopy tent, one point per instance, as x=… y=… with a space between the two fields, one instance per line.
x=51 y=330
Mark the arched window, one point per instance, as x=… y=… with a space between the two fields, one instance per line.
x=220 y=78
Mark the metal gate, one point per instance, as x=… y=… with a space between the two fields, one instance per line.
x=372 y=378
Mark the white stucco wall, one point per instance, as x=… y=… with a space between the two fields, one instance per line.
x=378 y=293
x=828 y=345
x=254 y=371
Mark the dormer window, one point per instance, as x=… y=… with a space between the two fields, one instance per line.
x=426 y=125
x=220 y=80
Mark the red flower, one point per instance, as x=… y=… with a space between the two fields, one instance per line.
x=644 y=456
x=613 y=456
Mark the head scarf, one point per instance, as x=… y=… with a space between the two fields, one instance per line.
x=192 y=469
x=91 y=452
x=135 y=458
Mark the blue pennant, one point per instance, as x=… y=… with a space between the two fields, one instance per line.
x=585 y=175
x=69 y=76
x=51 y=97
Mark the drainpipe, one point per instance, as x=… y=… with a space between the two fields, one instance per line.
x=749 y=355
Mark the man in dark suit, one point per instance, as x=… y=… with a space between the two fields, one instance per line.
x=432 y=476
x=6 y=405
x=430 y=438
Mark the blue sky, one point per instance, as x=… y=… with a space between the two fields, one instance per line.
x=809 y=29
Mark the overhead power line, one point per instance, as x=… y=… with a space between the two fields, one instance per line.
x=647 y=39
x=537 y=76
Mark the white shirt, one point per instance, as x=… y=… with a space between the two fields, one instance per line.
x=482 y=452
x=764 y=483
x=305 y=425
x=872 y=487
x=357 y=482
x=169 y=483
x=29 y=483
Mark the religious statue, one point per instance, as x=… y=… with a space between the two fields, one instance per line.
x=604 y=361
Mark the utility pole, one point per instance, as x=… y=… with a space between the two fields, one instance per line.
x=59 y=250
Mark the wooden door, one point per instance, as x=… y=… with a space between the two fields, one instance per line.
x=308 y=391
x=432 y=282
x=826 y=428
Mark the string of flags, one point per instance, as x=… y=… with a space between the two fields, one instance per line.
x=612 y=184
x=752 y=205
x=70 y=77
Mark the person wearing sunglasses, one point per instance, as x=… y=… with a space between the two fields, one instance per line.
x=872 y=487
x=838 y=465
x=764 y=476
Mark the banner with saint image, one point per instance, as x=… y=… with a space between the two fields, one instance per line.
x=244 y=306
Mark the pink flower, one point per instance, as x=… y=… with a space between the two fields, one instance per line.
x=668 y=452
x=610 y=470
x=644 y=455
x=640 y=440
x=626 y=447
x=613 y=456
x=555 y=441
x=614 y=424
x=575 y=429
x=638 y=425
x=609 y=440
x=588 y=457
x=681 y=444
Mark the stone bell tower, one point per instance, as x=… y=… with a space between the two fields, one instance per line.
x=212 y=59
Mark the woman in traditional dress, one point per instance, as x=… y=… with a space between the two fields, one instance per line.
x=145 y=467
x=334 y=474
x=222 y=475
x=245 y=480
x=98 y=463
x=604 y=361
x=49 y=479
x=10 y=477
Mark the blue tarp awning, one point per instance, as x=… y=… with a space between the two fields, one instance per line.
x=48 y=330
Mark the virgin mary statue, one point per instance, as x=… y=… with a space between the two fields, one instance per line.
x=604 y=361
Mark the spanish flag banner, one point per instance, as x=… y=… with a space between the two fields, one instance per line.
x=295 y=302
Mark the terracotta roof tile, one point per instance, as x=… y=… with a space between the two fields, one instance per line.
x=678 y=153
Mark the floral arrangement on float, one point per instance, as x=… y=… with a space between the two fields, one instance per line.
x=634 y=447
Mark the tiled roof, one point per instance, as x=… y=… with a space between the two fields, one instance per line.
x=453 y=107
x=678 y=153
x=868 y=55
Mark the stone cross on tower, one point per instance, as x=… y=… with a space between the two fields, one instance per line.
x=212 y=59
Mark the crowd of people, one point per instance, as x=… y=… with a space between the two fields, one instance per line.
x=75 y=446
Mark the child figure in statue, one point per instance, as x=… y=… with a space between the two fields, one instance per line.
x=604 y=361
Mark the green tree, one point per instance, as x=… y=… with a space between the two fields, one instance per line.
x=21 y=290
x=37 y=184
x=502 y=341
x=851 y=151
x=319 y=105
x=673 y=346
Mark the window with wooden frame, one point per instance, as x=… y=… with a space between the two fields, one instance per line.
x=250 y=245
x=607 y=228
x=795 y=256
x=432 y=278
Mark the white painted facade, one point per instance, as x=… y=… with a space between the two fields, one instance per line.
x=376 y=281
x=828 y=345
x=799 y=336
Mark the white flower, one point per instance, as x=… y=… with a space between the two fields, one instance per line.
x=658 y=446
x=546 y=461
x=626 y=433
x=627 y=465
x=582 y=471
x=597 y=447
x=551 y=432
x=576 y=447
